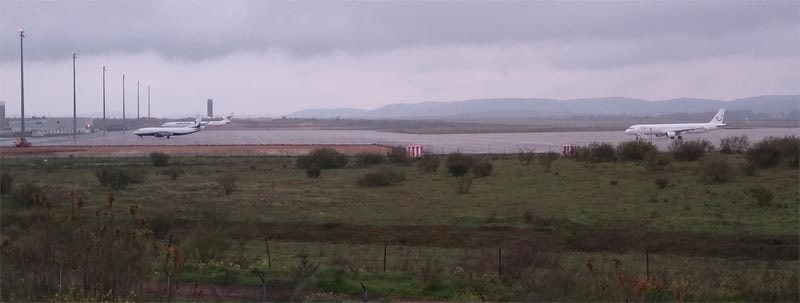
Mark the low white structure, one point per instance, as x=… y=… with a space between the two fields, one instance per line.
x=44 y=126
x=414 y=151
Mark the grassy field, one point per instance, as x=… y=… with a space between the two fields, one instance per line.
x=707 y=241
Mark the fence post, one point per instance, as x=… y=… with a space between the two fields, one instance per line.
x=384 y=257
x=499 y=262
x=269 y=258
x=364 y=297
x=647 y=263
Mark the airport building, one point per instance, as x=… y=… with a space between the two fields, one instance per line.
x=210 y=106
x=46 y=126
x=3 y=122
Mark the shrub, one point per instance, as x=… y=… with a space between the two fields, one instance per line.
x=207 y=243
x=690 y=150
x=595 y=152
x=749 y=169
x=463 y=185
x=159 y=159
x=29 y=194
x=398 y=155
x=734 y=145
x=313 y=171
x=635 y=150
x=547 y=160
x=773 y=150
x=364 y=159
x=458 y=164
x=762 y=195
x=173 y=173
x=657 y=161
x=381 y=178
x=324 y=158
x=662 y=183
x=429 y=163
x=525 y=157
x=117 y=178
x=717 y=170
x=482 y=169
x=6 y=182
x=227 y=183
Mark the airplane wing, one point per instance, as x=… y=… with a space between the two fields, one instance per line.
x=164 y=134
x=680 y=131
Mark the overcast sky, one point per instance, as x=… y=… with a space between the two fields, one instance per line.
x=272 y=58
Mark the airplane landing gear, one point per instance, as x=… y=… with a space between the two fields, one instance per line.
x=680 y=137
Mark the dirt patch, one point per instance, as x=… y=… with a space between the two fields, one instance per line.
x=574 y=238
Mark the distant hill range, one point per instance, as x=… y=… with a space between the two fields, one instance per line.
x=772 y=107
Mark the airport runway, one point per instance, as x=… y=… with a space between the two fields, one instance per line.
x=438 y=143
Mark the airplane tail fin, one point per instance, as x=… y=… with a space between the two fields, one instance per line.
x=718 y=117
x=197 y=122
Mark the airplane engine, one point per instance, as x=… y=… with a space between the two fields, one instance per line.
x=671 y=135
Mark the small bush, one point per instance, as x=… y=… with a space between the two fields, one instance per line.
x=117 y=178
x=762 y=195
x=458 y=164
x=365 y=159
x=159 y=159
x=690 y=150
x=482 y=169
x=227 y=183
x=398 y=155
x=546 y=160
x=6 y=182
x=207 y=243
x=614 y=182
x=463 y=185
x=717 y=170
x=525 y=157
x=657 y=161
x=383 y=177
x=429 y=163
x=734 y=145
x=662 y=183
x=635 y=150
x=313 y=171
x=749 y=169
x=595 y=152
x=173 y=173
x=28 y=194
x=324 y=158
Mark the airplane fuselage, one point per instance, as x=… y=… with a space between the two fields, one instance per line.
x=165 y=131
x=660 y=130
x=677 y=129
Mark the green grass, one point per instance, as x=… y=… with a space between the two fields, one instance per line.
x=573 y=197
x=276 y=192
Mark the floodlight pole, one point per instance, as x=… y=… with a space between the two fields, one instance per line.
x=148 y=102
x=137 y=100
x=105 y=126
x=74 y=100
x=124 y=127
x=21 y=86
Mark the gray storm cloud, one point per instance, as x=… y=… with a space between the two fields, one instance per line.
x=200 y=30
x=277 y=57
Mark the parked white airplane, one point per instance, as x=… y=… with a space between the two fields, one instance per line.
x=170 y=131
x=225 y=120
x=676 y=130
